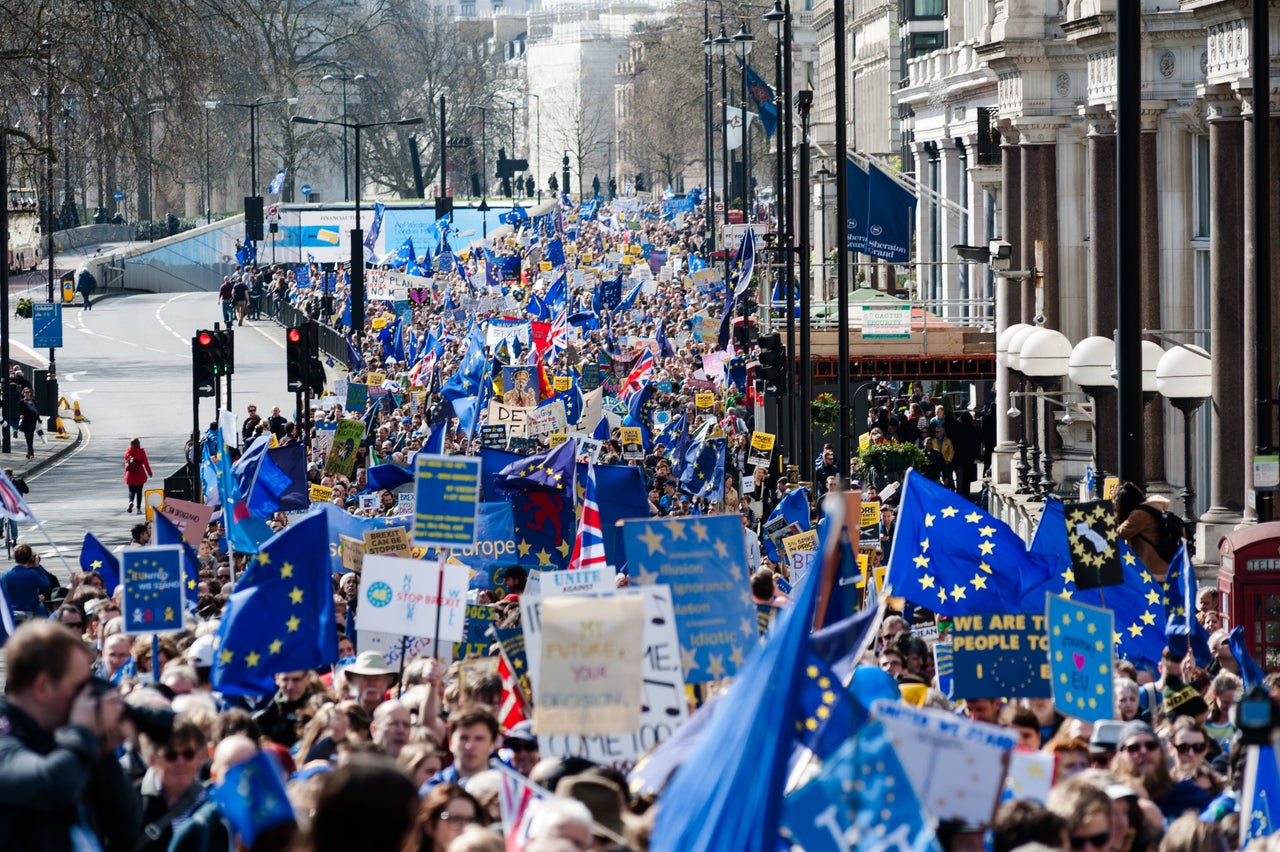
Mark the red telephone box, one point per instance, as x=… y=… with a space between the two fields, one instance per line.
x=1249 y=588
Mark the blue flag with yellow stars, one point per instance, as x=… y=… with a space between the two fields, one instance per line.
x=826 y=717
x=703 y=474
x=280 y=617
x=1179 y=590
x=512 y=641
x=1258 y=816
x=551 y=470
x=94 y=556
x=952 y=557
x=167 y=532
x=466 y=379
x=252 y=797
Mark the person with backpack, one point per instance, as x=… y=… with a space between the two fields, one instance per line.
x=136 y=472
x=1148 y=525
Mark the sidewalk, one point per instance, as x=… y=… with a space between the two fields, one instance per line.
x=45 y=453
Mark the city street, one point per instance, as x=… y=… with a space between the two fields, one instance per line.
x=128 y=363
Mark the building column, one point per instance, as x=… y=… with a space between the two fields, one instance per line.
x=1226 y=317
x=1008 y=298
x=950 y=224
x=1102 y=266
x=1149 y=211
x=924 y=221
x=1039 y=210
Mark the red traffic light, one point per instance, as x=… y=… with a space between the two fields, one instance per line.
x=204 y=338
x=295 y=335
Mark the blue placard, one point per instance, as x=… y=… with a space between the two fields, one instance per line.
x=446 y=491
x=118 y=195
x=153 y=597
x=46 y=322
x=495 y=546
x=357 y=396
x=306 y=189
x=1000 y=655
x=1080 y=658
x=703 y=560
x=479 y=619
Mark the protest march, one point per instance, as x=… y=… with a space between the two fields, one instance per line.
x=528 y=574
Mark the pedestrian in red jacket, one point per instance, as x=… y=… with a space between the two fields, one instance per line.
x=136 y=472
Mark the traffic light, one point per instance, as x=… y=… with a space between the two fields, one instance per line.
x=253 y=217
x=297 y=353
x=204 y=364
x=772 y=359
x=224 y=352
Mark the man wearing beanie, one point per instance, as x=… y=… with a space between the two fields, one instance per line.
x=1181 y=699
x=1142 y=757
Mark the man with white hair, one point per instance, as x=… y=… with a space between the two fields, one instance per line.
x=557 y=820
x=390 y=726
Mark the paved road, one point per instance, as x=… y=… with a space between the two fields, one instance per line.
x=128 y=363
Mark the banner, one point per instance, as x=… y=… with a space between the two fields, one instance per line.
x=407 y=597
x=501 y=328
x=510 y=416
x=546 y=419
x=1000 y=656
x=590 y=672
x=761 y=449
x=1080 y=658
x=891 y=216
x=346 y=442
x=447 y=493
x=191 y=519
x=886 y=322
x=577 y=581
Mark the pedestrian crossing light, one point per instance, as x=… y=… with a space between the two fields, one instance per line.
x=297 y=358
x=204 y=363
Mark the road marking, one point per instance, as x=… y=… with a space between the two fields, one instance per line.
x=160 y=319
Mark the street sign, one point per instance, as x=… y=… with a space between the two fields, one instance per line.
x=306 y=189
x=46 y=320
x=458 y=142
x=273 y=213
x=118 y=195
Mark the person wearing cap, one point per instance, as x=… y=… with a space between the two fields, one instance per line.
x=279 y=719
x=523 y=746
x=514 y=578
x=521 y=395
x=368 y=680
x=1142 y=757
x=1103 y=741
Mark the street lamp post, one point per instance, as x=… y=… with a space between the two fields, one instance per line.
x=722 y=43
x=357 y=234
x=804 y=105
x=1045 y=359
x=1090 y=368
x=538 y=158
x=209 y=106
x=776 y=19
x=709 y=144
x=608 y=143
x=484 y=148
x=5 y=445
x=258 y=103
x=742 y=43
x=1184 y=376
x=151 y=190
x=346 y=175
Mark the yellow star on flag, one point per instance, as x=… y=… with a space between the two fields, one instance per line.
x=653 y=540
x=293 y=624
x=523 y=548
x=950 y=512
x=699 y=530
x=251 y=659
x=978 y=581
x=986 y=547
x=264 y=558
x=716 y=668
x=226 y=656
x=678 y=532
x=929 y=519
x=275 y=646
x=973 y=517
x=544 y=558
x=286 y=571
x=922 y=562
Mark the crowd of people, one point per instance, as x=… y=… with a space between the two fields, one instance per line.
x=123 y=742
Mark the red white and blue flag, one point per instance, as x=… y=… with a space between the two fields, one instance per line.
x=558 y=336
x=518 y=800
x=640 y=375
x=588 y=546
x=12 y=506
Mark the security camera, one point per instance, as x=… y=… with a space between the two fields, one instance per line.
x=1001 y=255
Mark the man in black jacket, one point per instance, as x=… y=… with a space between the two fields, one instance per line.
x=58 y=776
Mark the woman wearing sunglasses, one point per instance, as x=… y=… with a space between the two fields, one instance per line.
x=171 y=789
x=1190 y=746
x=1142 y=758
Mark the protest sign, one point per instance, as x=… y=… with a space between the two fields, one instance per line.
x=663 y=708
x=447 y=490
x=765 y=614
x=555 y=439
x=761 y=449
x=800 y=550
x=341 y=458
x=392 y=541
x=357 y=397
x=320 y=493
x=494 y=436
x=546 y=419
x=191 y=519
x=323 y=440
x=1080 y=658
x=590 y=678
x=153 y=593
x=1091 y=539
x=701 y=558
x=1000 y=656
x=926 y=739
x=476 y=642
x=390 y=644
x=407 y=597
x=704 y=401
x=352 y=552
x=590 y=377
x=562 y=383
x=375 y=380
x=577 y=581
x=510 y=416
x=588 y=449
x=944 y=668
x=1030 y=777
x=632 y=443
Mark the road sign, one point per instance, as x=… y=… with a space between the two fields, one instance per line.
x=273 y=213
x=119 y=195
x=459 y=142
x=306 y=189
x=46 y=320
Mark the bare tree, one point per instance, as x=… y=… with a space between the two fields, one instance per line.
x=580 y=130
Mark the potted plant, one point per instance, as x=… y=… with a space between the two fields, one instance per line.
x=891 y=457
x=826 y=409
x=23 y=308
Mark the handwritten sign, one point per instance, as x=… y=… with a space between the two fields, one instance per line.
x=511 y=416
x=663 y=708
x=392 y=541
x=1080 y=658
x=346 y=441
x=447 y=491
x=389 y=645
x=153 y=595
x=761 y=449
x=591 y=665
x=546 y=419
x=800 y=550
x=1000 y=656
x=352 y=552
x=191 y=519
x=406 y=597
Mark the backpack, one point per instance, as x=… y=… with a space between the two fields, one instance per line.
x=1170 y=530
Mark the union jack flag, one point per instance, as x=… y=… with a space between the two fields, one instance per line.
x=513 y=710
x=12 y=506
x=558 y=336
x=518 y=800
x=640 y=375
x=588 y=546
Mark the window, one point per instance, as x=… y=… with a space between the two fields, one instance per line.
x=925 y=9
x=922 y=43
x=1200 y=184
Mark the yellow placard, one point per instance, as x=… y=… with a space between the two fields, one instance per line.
x=352 y=552
x=704 y=400
x=800 y=542
x=545 y=265
x=555 y=439
x=375 y=380
x=571 y=248
x=153 y=499
x=626 y=260
x=864 y=440
x=763 y=441
x=392 y=541
x=321 y=494
x=635 y=248
x=562 y=383
x=870 y=513
x=378 y=323
x=632 y=443
x=1110 y=486
x=586 y=257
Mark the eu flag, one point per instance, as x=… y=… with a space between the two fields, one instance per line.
x=1179 y=593
x=1258 y=817
x=956 y=559
x=1250 y=672
x=94 y=556
x=388 y=477
x=281 y=617
x=272 y=479
x=470 y=372
x=703 y=474
x=252 y=797
x=795 y=509
x=551 y=470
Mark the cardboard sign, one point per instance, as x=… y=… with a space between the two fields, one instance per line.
x=1080 y=658
x=704 y=401
x=153 y=593
x=352 y=552
x=800 y=550
x=632 y=443
x=1000 y=656
x=346 y=442
x=191 y=519
x=406 y=597
x=321 y=493
x=590 y=671
x=447 y=494
x=511 y=416
x=392 y=541
x=761 y=449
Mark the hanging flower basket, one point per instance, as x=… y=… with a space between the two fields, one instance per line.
x=891 y=457
x=825 y=409
x=23 y=308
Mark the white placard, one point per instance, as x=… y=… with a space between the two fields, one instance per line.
x=403 y=597
x=579 y=582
